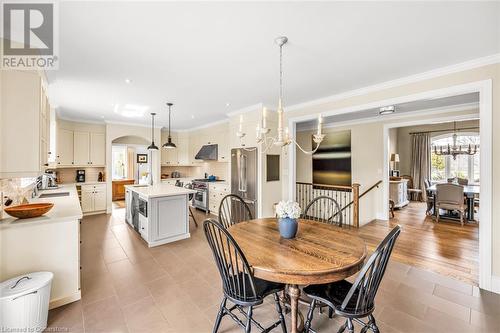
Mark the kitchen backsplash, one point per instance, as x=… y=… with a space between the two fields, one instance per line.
x=218 y=169
x=15 y=189
x=68 y=175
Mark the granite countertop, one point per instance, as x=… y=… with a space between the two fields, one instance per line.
x=158 y=190
x=65 y=209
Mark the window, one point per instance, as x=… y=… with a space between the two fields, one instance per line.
x=119 y=160
x=464 y=166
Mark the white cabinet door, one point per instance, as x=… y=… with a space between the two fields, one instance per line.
x=223 y=148
x=64 y=147
x=87 y=200
x=97 y=149
x=99 y=199
x=19 y=124
x=170 y=217
x=183 y=151
x=81 y=148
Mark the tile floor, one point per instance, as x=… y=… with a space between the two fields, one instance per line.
x=127 y=287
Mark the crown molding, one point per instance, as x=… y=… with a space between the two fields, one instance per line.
x=247 y=109
x=214 y=123
x=385 y=118
x=111 y=122
x=85 y=121
x=460 y=67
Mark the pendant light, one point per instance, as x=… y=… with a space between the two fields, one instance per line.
x=152 y=146
x=169 y=144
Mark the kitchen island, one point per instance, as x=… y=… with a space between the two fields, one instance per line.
x=50 y=242
x=159 y=213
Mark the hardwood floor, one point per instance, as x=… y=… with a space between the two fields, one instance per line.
x=445 y=247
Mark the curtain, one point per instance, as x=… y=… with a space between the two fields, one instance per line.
x=421 y=161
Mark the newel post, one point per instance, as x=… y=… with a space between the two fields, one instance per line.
x=355 y=209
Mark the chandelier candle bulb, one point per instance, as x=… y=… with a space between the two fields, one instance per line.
x=264 y=117
x=320 y=124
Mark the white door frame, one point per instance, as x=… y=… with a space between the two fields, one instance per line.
x=484 y=88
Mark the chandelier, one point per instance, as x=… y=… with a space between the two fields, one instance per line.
x=282 y=138
x=455 y=149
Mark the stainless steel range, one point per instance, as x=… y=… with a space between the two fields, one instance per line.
x=200 y=199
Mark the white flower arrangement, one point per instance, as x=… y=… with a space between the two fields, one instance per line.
x=288 y=209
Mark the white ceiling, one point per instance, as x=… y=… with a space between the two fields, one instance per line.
x=463 y=102
x=202 y=55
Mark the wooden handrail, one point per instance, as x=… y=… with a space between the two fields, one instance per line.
x=355 y=202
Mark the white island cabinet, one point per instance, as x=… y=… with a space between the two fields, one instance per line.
x=158 y=212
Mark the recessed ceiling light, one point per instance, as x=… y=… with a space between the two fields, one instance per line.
x=128 y=81
x=387 y=110
x=228 y=104
x=192 y=116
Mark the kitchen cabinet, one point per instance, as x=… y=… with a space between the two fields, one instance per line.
x=24 y=132
x=183 y=149
x=93 y=198
x=98 y=149
x=81 y=148
x=169 y=156
x=195 y=143
x=64 y=147
x=216 y=192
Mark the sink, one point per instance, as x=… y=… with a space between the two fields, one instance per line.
x=53 y=195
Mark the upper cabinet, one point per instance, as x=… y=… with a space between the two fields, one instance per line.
x=97 y=148
x=24 y=124
x=80 y=145
x=169 y=156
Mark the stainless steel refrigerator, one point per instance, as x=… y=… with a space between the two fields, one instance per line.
x=244 y=176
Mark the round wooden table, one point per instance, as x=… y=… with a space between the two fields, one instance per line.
x=320 y=253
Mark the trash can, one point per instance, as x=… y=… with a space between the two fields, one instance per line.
x=24 y=302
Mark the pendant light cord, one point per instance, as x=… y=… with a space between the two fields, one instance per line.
x=169 y=109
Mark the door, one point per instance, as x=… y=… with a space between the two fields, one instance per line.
x=64 y=147
x=99 y=199
x=97 y=149
x=81 y=148
x=87 y=200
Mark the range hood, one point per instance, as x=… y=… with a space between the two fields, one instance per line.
x=208 y=153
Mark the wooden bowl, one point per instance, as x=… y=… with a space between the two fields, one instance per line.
x=29 y=210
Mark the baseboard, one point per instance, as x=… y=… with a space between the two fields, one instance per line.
x=495 y=284
x=55 y=303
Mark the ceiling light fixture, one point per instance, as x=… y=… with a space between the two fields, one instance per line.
x=128 y=81
x=131 y=110
x=283 y=138
x=169 y=144
x=152 y=146
x=387 y=110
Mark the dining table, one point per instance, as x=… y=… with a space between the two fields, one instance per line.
x=319 y=253
x=470 y=193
